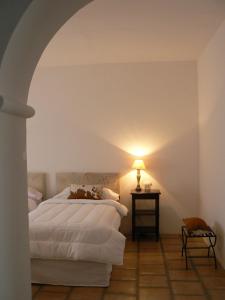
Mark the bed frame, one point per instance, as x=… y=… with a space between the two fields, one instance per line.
x=75 y=273
x=110 y=180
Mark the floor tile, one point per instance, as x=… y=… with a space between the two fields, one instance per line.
x=151 y=251
x=172 y=242
x=167 y=236
x=146 y=269
x=214 y=282
x=146 y=258
x=153 y=281
x=123 y=274
x=210 y=271
x=50 y=296
x=150 y=246
x=182 y=275
x=131 y=246
x=172 y=248
x=86 y=293
x=118 y=297
x=190 y=298
x=154 y=294
x=131 y=256
x=126 y=265
x=178 y=264
x=198 y=252
x=173 y=255
x=148 y=265
x=35 y=288
x=187 y=288
x=217 y=294
x=203 y=261
x=130 y=260
x=56 y=288
x=199 y=243
x=125 y=287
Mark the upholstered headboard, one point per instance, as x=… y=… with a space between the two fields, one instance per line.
x=110 y=180
x=37 y=181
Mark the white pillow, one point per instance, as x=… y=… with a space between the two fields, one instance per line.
x=34 y=194
x=64 y=194
x=32 y=204
x=106 y=193
x=109 y=194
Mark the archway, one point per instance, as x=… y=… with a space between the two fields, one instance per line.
x=24 y=46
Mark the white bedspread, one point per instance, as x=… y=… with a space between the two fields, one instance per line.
x=77 y=230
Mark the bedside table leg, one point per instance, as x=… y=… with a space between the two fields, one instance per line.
x=133 y=220
x=157 y=218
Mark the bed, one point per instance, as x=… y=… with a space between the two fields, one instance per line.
x=36 y=189
x=76 y=242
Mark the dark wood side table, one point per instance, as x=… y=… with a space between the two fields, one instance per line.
x=152 y=195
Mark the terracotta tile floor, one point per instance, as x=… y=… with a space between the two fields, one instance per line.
x=151 y=271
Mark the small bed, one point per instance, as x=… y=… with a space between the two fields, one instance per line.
x=76 y=242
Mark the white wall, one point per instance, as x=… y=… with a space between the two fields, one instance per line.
x=211 y=71
x=89 y=117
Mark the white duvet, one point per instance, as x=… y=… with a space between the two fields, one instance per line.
x=81 y=230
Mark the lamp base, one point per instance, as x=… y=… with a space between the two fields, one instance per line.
x=138 y=189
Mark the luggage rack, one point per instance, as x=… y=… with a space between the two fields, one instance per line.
x=209 y=234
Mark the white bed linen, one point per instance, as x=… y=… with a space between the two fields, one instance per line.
x=32 y=204
x=70 y=273
x=80 y=230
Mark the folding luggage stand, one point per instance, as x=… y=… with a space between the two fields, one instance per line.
x=210 y=235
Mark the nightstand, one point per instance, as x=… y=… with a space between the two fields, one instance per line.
x=152 y=195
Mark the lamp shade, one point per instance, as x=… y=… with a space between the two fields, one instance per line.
x=138 y=164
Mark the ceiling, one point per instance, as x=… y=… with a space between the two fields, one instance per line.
x=124 y=31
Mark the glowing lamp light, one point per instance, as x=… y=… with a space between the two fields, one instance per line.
x=139 y=165
x=139 y=152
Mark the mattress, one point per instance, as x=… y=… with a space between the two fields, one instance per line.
x=77 y=230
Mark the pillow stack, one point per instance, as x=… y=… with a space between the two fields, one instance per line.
x=85 y=192
x=34 y=198
x=93 y=192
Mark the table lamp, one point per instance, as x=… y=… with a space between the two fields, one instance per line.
x=138 y=165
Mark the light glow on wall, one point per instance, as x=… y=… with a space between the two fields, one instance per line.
x=139 y=151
